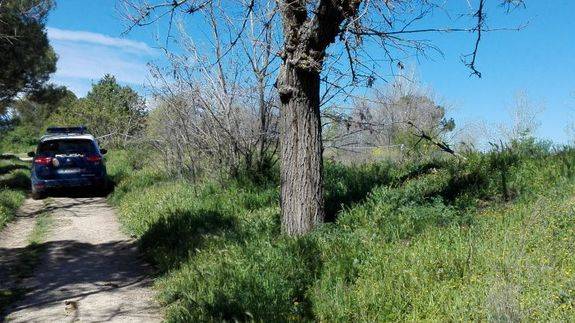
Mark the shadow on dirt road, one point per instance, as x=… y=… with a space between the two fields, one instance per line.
x=88 y=269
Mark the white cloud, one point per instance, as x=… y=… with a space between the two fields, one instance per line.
x=85 y=57
x=97 y=39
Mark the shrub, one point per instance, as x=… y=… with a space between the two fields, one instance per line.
x=22 y=138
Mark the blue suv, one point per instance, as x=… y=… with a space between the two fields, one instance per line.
x=67 y=157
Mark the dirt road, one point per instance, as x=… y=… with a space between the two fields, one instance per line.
x=87 y=270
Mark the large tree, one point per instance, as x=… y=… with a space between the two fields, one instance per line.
x=36 y=106
x=361 y=30
x=109 y=110
x=26 y=57
x=30 y=113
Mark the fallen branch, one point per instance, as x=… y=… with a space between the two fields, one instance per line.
x=440 y=144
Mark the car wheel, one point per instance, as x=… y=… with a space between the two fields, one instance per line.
x=37 y=195
x=102 y=189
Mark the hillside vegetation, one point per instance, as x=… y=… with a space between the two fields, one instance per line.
x=14 y=183
x=440 y=239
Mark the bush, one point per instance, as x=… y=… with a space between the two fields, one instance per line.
x=22 y=138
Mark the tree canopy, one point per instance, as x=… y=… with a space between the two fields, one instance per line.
x=109 y=109
x=27 y=58
x=38 y=105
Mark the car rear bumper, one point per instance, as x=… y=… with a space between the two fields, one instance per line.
x=42 y=185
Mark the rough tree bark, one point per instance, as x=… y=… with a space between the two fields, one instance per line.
x=306 y=38
x=301 y=150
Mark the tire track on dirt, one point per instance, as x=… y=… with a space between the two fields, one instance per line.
x=89 y=271
x=14 y=239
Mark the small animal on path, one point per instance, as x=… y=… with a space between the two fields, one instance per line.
x=71 y=307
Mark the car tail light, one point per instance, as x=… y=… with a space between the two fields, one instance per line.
x=42 y=161
x=94 y=158
x=40 y=185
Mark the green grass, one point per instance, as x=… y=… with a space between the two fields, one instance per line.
x=14 y=183
x=10 y=200
x=432 y=240
x=510 y=263
x=41 y=227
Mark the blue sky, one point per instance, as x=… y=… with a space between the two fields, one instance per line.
x=539 y=60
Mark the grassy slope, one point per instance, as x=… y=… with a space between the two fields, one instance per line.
x=430 y=241
x=14 y=183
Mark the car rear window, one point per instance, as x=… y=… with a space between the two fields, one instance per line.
x=66 y=147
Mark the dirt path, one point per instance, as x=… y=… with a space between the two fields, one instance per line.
x=13 y=240
x=88 y=271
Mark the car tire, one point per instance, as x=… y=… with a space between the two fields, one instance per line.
x=37 y=195
x=102 y=189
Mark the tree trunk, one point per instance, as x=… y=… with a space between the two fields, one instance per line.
x=301 y=150
x=263 y=124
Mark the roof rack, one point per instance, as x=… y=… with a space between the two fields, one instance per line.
x=67 y=130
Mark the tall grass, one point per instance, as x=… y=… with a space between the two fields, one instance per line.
x=486 y=239
x=14 y=183
x=10 y=200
